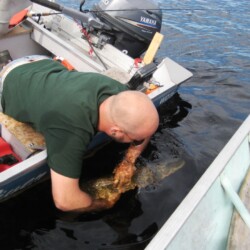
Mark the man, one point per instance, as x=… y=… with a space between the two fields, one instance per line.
x=68 y=108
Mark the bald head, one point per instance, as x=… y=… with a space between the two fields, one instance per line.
x=135 y=113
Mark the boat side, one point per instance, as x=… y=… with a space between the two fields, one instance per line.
x=23 y=175
x=202 y=220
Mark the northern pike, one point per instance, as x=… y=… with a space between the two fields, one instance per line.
x=151 y=173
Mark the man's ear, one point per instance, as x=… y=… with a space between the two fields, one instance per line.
x=115 y=130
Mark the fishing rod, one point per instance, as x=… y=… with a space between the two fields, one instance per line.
x=43 y=14
x=148 y=9
x=100 y=11
x=162 y=9
x=83 y=17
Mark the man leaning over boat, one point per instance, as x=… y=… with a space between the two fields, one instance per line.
x=69 y=108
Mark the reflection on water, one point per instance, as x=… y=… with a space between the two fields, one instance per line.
x=173 y=111
x=194 y=126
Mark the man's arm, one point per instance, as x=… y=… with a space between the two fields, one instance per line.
x=124 y=172
x=134 y=151
x=68 y=196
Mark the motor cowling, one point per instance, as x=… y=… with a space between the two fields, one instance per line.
x=133 y=23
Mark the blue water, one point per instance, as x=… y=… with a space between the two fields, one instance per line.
x=210 y=38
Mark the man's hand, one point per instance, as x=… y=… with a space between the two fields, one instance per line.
x=104 y=203
x=124 y=172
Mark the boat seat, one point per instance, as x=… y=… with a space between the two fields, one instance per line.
x=118 y=75
x=29 y=137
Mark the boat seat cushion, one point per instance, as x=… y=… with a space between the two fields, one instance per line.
x=31 y=139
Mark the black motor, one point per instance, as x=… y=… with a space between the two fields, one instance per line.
x=129 y=25
x=133 y=23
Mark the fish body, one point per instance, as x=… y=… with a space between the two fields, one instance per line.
x=104 y=188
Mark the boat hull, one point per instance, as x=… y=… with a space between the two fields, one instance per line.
x=20 y=182
x=202 y=220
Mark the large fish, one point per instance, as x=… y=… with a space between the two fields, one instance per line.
x=151 y=173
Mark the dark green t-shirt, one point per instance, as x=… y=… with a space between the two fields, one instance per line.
x=62 y=105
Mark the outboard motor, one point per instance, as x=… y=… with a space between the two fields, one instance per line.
x=128 y=25
x=133 y=23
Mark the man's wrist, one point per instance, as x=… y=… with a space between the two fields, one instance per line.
x=127 y=160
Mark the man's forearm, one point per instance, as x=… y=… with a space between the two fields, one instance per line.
x=124 y=172
x=100 y=204
x=134 y=152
